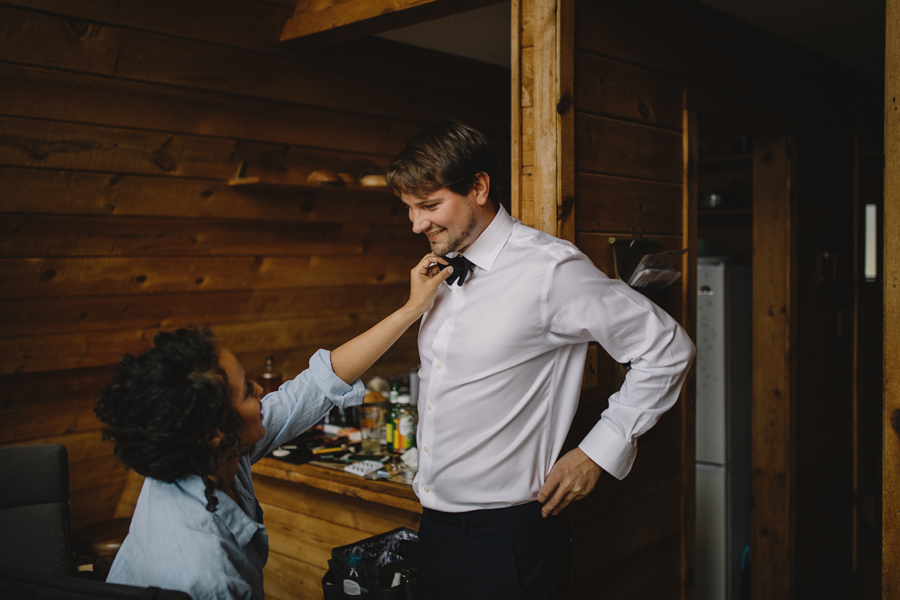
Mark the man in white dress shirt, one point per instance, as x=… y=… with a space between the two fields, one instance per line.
x=502 y=352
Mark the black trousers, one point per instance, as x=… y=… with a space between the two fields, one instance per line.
x=499 y=554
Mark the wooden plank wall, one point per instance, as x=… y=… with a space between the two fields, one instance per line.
x=630 y=172
x=624 y=174
x=637 y=66
x=120 y=125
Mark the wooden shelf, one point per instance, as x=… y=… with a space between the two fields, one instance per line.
x=255 y=183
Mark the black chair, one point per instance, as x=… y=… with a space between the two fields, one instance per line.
x=34 y=509
x=20 y=585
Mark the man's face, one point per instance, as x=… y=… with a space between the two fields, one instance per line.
x=447 y=219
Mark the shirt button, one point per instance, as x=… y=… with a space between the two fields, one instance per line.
x=430 y=407
x=425 y=448
x=427 y=489
x=438 y=366
x=446 y=328
x=457 y=290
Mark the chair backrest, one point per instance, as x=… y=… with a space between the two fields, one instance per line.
x=34 y=509
x=31 y=586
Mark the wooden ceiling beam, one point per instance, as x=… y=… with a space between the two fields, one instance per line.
x=326 y=22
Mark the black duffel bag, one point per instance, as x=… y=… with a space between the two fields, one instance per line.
x=386 y=556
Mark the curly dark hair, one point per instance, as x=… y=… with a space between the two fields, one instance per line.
x=163 y=405
x=448 y=154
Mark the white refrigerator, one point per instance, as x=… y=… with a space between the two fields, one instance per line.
x=724 y=362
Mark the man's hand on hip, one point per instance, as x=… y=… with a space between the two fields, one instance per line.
x=571 y=478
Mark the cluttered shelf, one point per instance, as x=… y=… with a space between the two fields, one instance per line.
x=248 y=183
x=317 y=181
x=389 y=493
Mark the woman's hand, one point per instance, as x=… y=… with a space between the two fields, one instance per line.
x=424 y=280
x=352 y=359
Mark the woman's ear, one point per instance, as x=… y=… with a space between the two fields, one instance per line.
x=215 y=438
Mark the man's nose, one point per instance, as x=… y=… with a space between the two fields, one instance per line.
x=419 y=222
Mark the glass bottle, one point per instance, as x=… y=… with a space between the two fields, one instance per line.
x=390 y=422
x=353 y=583
x=270 y=380
x=405 y=424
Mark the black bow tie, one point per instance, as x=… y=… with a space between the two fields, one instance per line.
x=462 y=266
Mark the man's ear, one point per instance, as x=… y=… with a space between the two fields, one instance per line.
x=482 y=188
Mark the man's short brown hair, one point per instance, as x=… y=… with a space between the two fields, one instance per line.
x=448 y=155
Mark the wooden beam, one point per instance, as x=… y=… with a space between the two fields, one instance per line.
x=774 y=350
x=689 y=322
x=890 y=566
x=550 y=207
x=325 y=22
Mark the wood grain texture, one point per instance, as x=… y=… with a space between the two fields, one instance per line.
x=326 y=23
x=330 y=480
x=81 y=314
x=610 y=88
x=122 y=124
x=69 y=192
x=614 y=147
x=618 y=204
x=773 y=479
x=287 y=578
x=547 y=83
x=309 y=510
x=100 y=348
x=34 y=277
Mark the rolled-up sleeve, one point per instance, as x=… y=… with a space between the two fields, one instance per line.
x=302 y=402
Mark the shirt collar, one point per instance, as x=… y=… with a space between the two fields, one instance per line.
x=485 y=249
x=241 y=526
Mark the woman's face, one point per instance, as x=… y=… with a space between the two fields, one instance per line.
x=246 y=398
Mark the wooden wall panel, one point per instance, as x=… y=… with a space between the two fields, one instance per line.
x=638 y=64
x=615 y=131
x=610 y=88
x=55 y=315
x=85 y=193
x=305 y=523
x=774 y=356
x=616 y=147
x=122 y=124
x=618 y=204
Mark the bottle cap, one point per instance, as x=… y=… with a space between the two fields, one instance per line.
x=354 y=560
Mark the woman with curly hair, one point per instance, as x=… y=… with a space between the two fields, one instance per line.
x=185 y=416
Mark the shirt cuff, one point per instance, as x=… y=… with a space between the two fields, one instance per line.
x=608 y=449
x=334 y=388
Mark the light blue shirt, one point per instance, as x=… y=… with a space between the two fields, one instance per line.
x=175 y=543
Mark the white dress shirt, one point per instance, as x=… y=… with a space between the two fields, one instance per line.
x=502 y=361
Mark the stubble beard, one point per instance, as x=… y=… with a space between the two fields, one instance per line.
x=455 y=244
